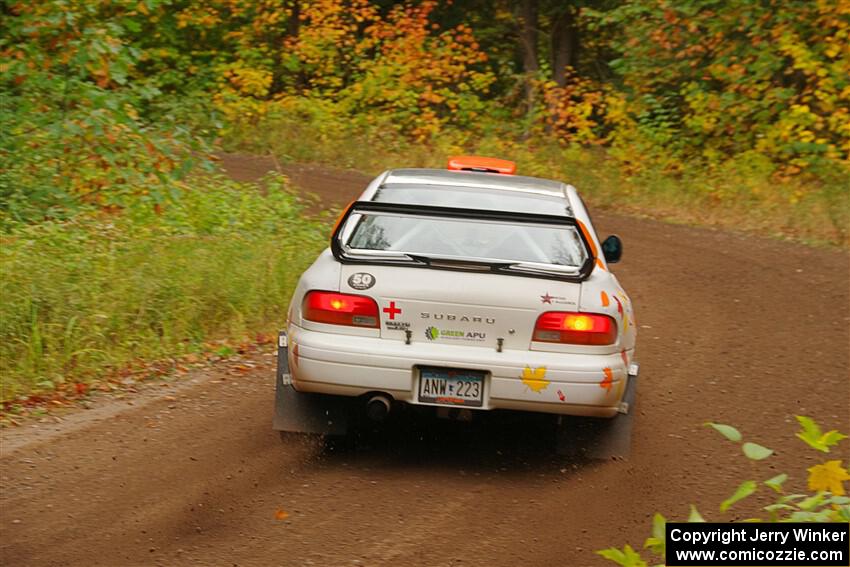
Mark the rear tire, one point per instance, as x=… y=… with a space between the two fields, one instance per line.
x=592 y=438
x=599 y=438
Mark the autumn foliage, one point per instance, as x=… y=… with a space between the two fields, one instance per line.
x=719 y=79
x=109 y=101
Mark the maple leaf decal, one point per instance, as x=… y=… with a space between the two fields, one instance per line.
x=535 y=379
x=608 y=382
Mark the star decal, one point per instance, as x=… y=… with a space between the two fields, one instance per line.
x=546 y=298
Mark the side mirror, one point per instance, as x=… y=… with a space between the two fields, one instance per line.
x=612 y=249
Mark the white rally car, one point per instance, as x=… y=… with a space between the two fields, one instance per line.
x=467 y=289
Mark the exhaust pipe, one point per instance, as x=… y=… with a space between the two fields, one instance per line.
x=378 y=407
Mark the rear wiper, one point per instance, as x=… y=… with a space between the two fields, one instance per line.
x=479 y=265
x=461 y=263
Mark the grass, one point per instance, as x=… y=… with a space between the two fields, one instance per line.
x=100 y=292
x=741 y=195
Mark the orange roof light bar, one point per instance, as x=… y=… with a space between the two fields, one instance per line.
x=483 y=164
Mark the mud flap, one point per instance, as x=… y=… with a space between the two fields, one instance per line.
x=599 y=438
x=302 y=412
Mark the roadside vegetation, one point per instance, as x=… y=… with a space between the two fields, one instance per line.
x=99 y=294
x=120 y=242
x=824 y=498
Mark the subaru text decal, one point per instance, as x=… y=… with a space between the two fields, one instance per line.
x=458 y=318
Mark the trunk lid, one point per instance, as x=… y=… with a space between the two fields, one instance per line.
x=458 y=307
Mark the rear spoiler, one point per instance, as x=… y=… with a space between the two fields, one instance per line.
x=346 y=255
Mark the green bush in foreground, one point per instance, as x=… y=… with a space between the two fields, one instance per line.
x=94 y=293
x=825 y=501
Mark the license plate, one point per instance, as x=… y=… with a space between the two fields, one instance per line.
x=451 y=387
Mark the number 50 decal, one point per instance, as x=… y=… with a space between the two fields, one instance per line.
x=361 y=280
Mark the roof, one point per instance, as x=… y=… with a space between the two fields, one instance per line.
x=473 y=190
x=469 y=179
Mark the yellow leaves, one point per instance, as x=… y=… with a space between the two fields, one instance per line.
x=202 y=17
x=402 y=64
x=829 y=476
x=797 y=109
x=248 y=81
x=576 y=110
x=535 y=378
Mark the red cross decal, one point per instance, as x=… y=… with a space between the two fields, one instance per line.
x=392 y=310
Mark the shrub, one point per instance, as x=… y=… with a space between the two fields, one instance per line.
x=825 y=500
x=101 y=291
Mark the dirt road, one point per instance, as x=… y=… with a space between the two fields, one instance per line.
x=734 y=329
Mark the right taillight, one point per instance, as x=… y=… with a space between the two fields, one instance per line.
x=575 y=328
x=340 y=309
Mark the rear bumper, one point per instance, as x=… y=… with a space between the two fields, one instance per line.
x=345 y=365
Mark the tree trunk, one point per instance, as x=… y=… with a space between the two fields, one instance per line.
x=565 y=44
x=293 y=28
x=294 y=22
x=528 y=36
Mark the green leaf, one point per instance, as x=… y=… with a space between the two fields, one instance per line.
x=811 y=432
x=775 y=483
x=745 y=489
x=755 y=451
x=628 y=557
x=777 y=507
x=814 y=438
x=831 y=438
x=812 y=502
x=727 y=431
x=657 y=543
x=695 y=517
x=819 y=516
x=791 y=499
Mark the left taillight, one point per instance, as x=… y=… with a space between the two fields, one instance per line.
x=340 y=309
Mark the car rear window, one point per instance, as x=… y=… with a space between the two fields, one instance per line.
x=464 y=238
x=472 y=198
